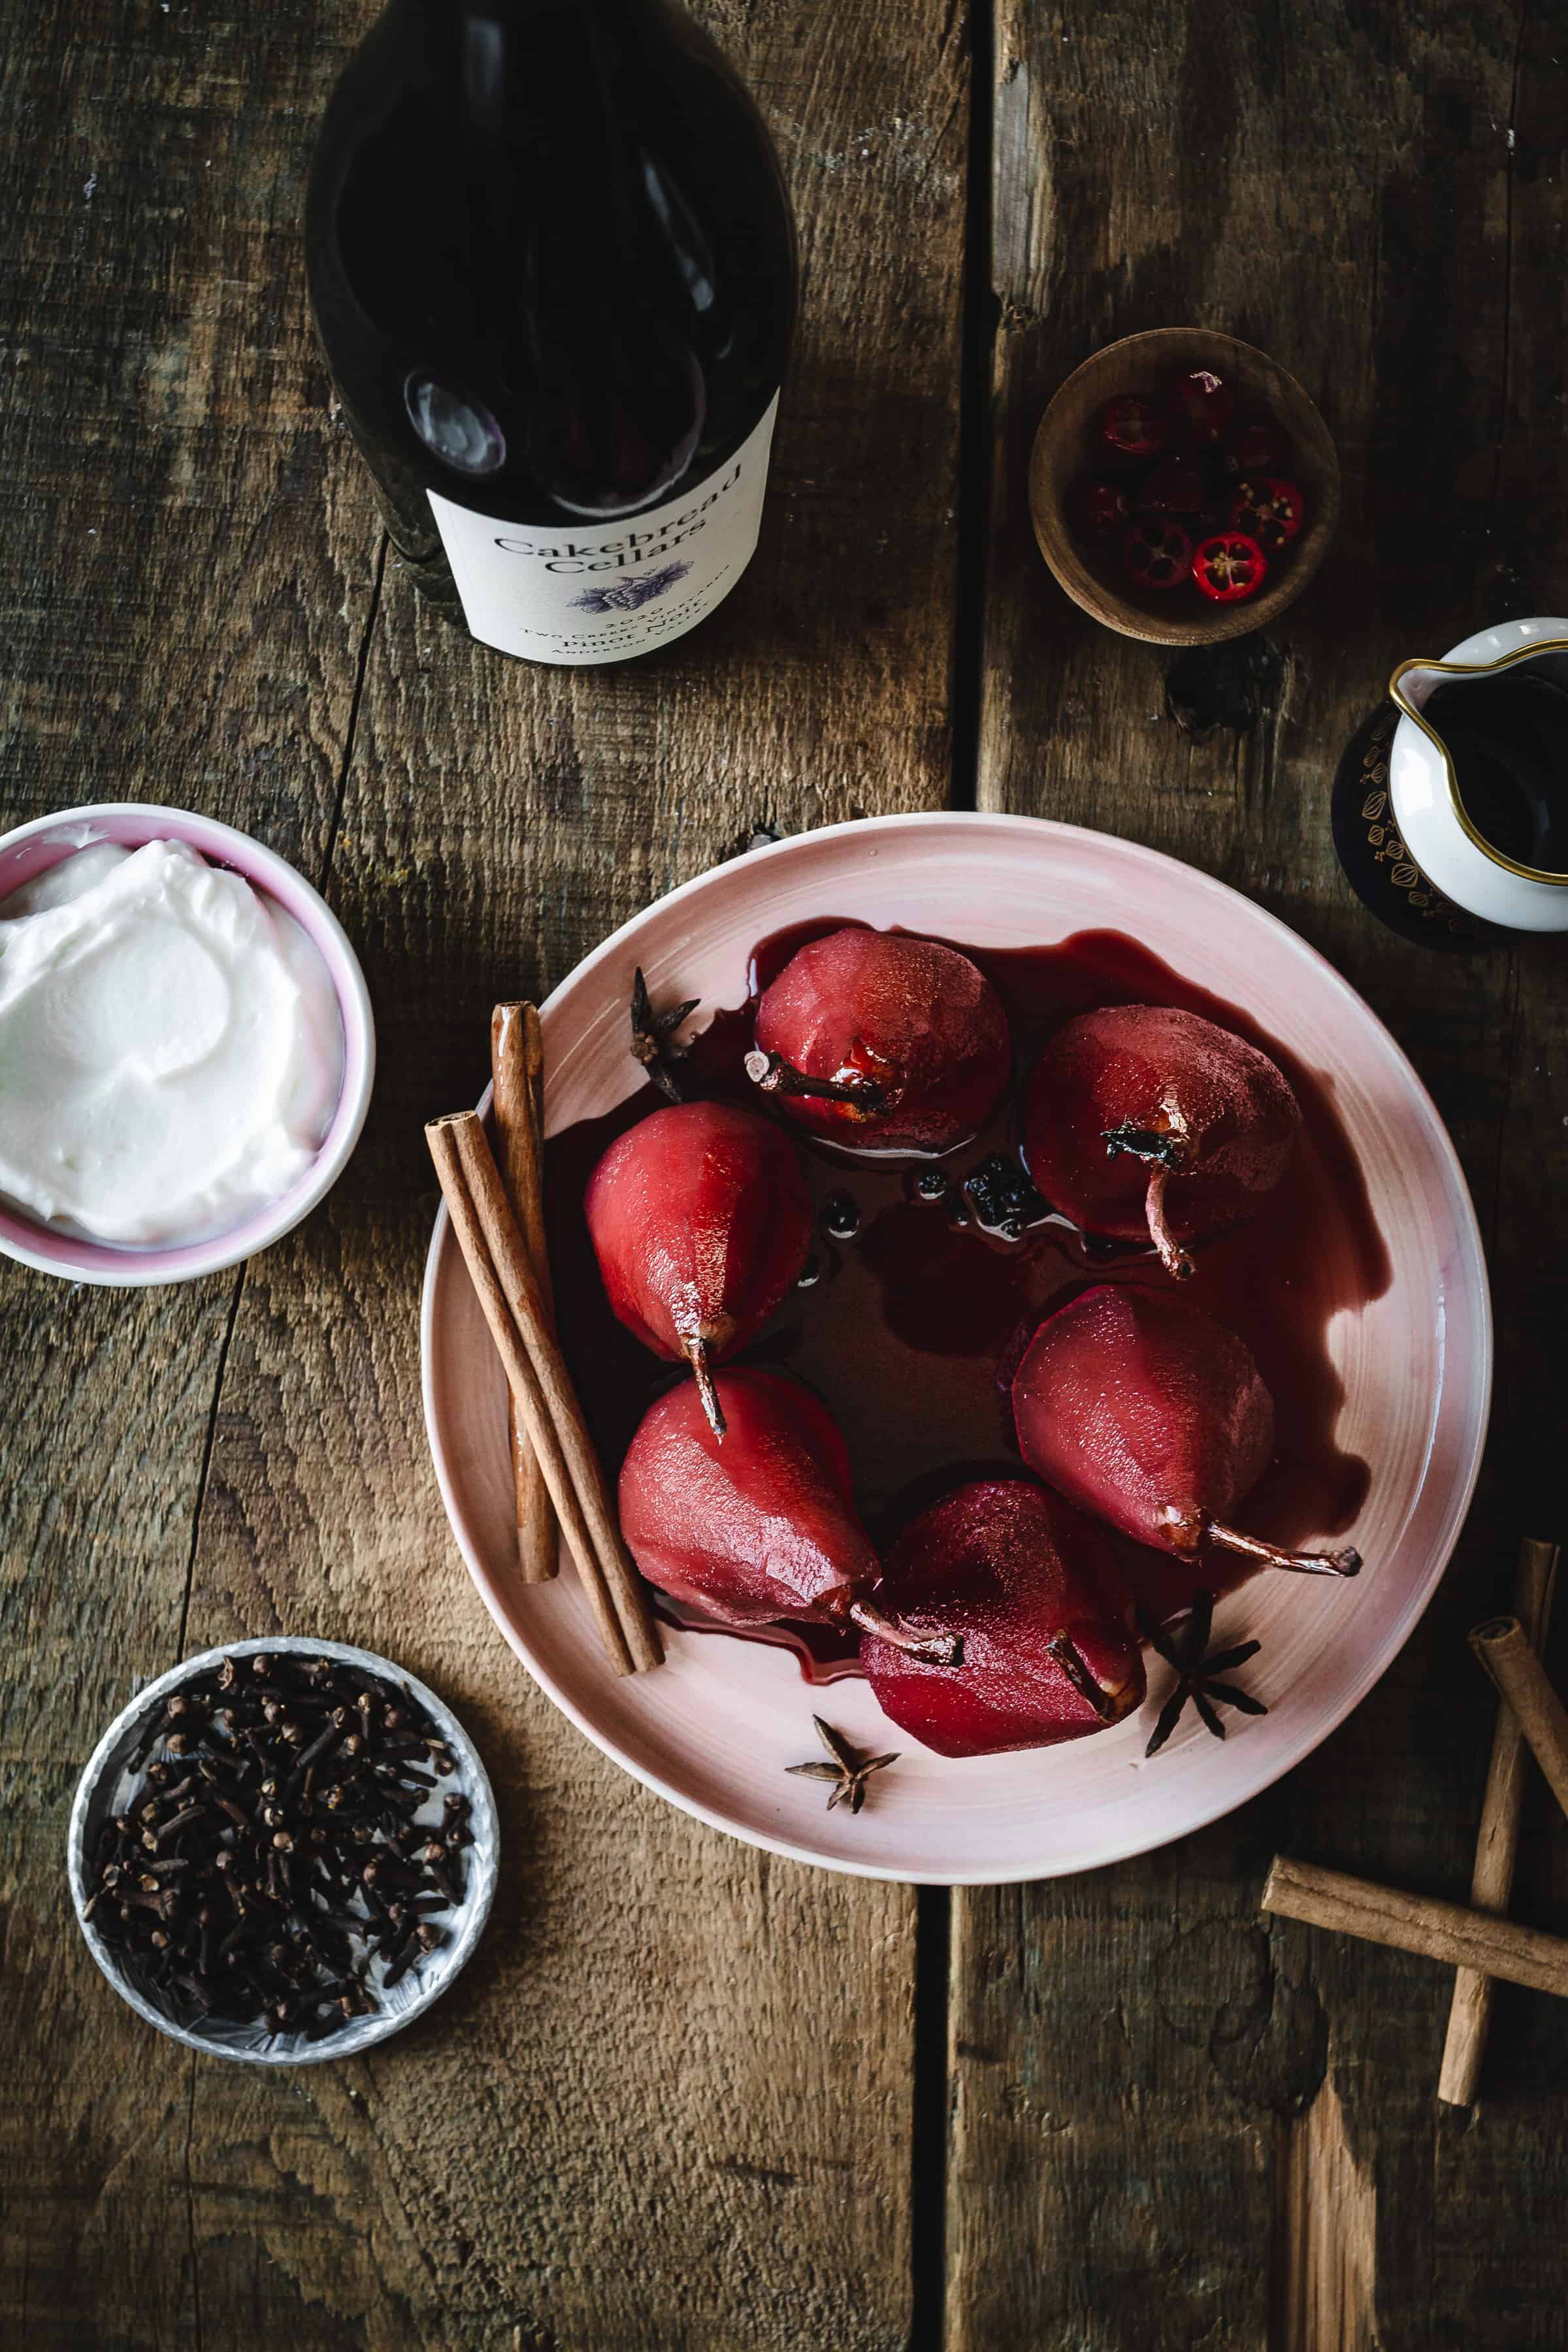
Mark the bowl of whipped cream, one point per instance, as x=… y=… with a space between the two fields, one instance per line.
x=186 y=1048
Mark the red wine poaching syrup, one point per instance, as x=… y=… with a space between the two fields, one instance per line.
x=911 y=1326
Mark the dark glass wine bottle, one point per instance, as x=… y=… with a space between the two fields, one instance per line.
x=553 y=268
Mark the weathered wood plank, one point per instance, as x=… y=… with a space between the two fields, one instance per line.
x=179 y=626
x=1326 y=2269
x=670 y=2104
x=1335 y=183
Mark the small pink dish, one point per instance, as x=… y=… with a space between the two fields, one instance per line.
x=31 y=850
x=716 y=1728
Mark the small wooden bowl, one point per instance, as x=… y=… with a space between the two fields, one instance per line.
x=1064 y=455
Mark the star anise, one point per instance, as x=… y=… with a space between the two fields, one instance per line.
x=1183 y=1648
x=849 y=1771
x=652 y=1033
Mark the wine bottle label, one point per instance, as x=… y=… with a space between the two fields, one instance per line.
x=597 y=591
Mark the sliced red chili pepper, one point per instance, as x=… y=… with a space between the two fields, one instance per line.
x=1230 y=567
x=1203 y=401
x=1270 y=511
x=1257 y=451
x=1172 y=486
x=1101 y=508
x=1131 y=427
x=1156 y=553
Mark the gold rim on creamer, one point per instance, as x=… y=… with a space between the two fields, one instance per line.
x=1476 y=669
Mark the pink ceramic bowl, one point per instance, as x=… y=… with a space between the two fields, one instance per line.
x=717 y=1728
x=30 y=851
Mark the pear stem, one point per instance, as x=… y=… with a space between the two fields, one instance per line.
x=932 y=1649
x=1173 y=1256
x=1346 y=1562
x=1070 y=1659
x=775 y=1075
x=699 y=1355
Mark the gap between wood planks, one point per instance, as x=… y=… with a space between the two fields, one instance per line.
x=931 y=2108
x=931 y=2102
x=978 y=346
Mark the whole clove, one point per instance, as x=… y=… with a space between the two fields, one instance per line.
x=271 y=1856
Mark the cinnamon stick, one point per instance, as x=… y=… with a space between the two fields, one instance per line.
x=517 y=1067
x=1416 y=1923
x=1502 y=1646
x=460 y=1147
x=1469 y=2016
x=526 y=1393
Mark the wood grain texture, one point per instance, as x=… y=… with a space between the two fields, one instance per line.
x=668 y=2104
x=1327 y=2226
x=1377 y=199
x=178 y=627
x=1123 y=2044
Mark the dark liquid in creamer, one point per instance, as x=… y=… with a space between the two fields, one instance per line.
x=913 y=1327
x=1507 y=738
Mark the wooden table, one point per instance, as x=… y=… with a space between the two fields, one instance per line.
x=690 y=2095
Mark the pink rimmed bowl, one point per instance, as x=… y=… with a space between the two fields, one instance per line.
x=30 y=850
x=715 y=1730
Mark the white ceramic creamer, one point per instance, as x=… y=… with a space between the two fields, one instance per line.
x=1455 y=846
